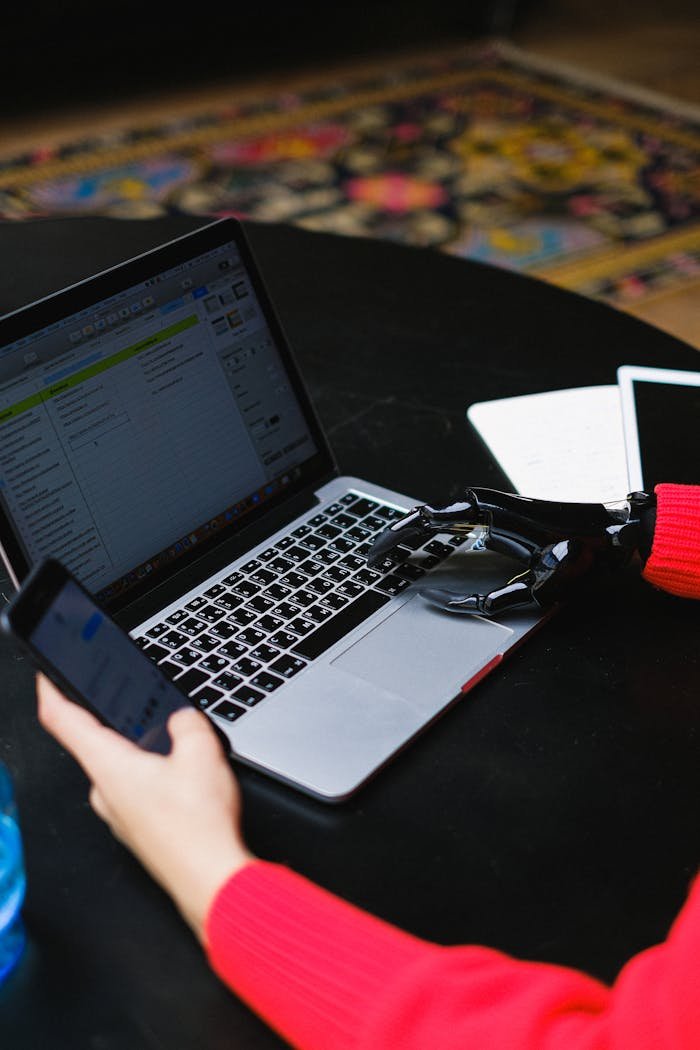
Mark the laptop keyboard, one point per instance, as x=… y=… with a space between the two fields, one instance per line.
x=243 y=637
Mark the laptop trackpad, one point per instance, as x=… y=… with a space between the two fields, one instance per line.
x=422 y=653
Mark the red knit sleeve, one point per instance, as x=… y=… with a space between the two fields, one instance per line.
x=674 y=562
x=328 y=976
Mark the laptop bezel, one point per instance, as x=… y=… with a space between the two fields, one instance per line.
x=41 y=313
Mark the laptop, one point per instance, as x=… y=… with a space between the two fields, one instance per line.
x=156 y=437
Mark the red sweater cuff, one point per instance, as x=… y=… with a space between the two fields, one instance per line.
x=307 y=962
x=674 y=562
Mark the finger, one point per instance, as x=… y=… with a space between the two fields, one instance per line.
x=190 y=731
x=76 y=729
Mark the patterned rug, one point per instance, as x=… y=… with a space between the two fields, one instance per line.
x=489 y=154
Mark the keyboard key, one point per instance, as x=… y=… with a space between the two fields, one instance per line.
x=205 y=643
x=192 y=626
x=191 y=680
x=311 y=568
x=268 y=554
x=186 y=657
x=266 y=681
x=320 y=586
x=392 y=585
x=228 y=602
x=228 y=711
x=210 y=613
x=352 y=562
x=263 y=577
x=250 y=566
x=334 y=601
x=328 y=531
x=264 y=653
x=408 y=571
x=337 y=573
x=334 y=508
x=260 y=603
x=300 y=625
x=196 y=603
x=368 y=576
x=358 y=533
x=438 y=549
x=175 y=617
x=373 y=523
x=246 y=588
x=317 y=613
x=326 y=556
x=389 y=513
x=269 y=623
x=143 y=641
x=242 y=617
x=328 y=633
x=173 y=639
x=251 y=636
x=157 y=630
x=222 y=631
x=206 y=696
x=304 y=598
x=215 y=591
x=285 y=542
x=288 y=665
x=170 y=669
x=283 y=639
x=348 y=498
x=233 y=649
x=246 y=667
x=280 y=565
x=156 y=652
x=362 y=507
x=313 y=542
x=351 y=589
x=302 y=531
x=214 y=663
x=342 y=545
x=227 y=681
x=293 y=579
x=249 y=697
x=277 y=592
x=233 y=579
x=286 y=610
x=318 y=519
x=344 y=521
x=296 y=553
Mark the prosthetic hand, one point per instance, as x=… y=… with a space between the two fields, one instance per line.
x=557 y=544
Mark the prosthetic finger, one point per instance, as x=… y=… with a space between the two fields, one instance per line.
x=515 y=594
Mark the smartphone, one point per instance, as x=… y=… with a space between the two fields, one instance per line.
x=90 y=658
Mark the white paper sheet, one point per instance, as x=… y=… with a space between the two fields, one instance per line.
x=561 y=445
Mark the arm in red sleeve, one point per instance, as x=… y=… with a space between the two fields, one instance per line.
x=674 y=562
x=328 y=976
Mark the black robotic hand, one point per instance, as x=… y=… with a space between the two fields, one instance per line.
x=557 y=544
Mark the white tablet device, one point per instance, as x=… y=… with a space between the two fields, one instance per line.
x=661 y=422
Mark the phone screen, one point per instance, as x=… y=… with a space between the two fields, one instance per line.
x=106 y=668
x=667 y=422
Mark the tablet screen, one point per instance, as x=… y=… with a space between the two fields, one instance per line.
x=663 y=420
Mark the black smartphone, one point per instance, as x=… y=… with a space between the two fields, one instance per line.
x=90 y=658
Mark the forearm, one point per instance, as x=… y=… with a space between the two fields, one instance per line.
x=325 y=974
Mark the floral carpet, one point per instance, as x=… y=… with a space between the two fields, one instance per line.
x=489 y=154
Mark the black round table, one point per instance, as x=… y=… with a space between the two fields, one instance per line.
x=552 y=814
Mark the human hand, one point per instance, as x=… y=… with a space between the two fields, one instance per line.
x=178 y=813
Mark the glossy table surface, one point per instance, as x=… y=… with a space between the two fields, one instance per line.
x=552 y=814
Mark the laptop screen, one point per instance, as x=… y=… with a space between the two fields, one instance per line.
x=135 y=429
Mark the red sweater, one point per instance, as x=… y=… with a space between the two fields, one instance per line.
x=328 y=976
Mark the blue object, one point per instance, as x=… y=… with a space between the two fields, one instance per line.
x=12 y=879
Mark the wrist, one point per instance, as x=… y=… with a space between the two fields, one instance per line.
x=195 y=896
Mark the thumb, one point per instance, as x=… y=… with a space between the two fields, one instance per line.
x=189 y=730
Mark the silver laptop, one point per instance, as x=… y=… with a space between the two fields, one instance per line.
x=156 y=437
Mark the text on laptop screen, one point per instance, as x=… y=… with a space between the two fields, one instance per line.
x=133 y=430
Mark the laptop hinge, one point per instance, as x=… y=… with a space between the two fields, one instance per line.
x=215 y=560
